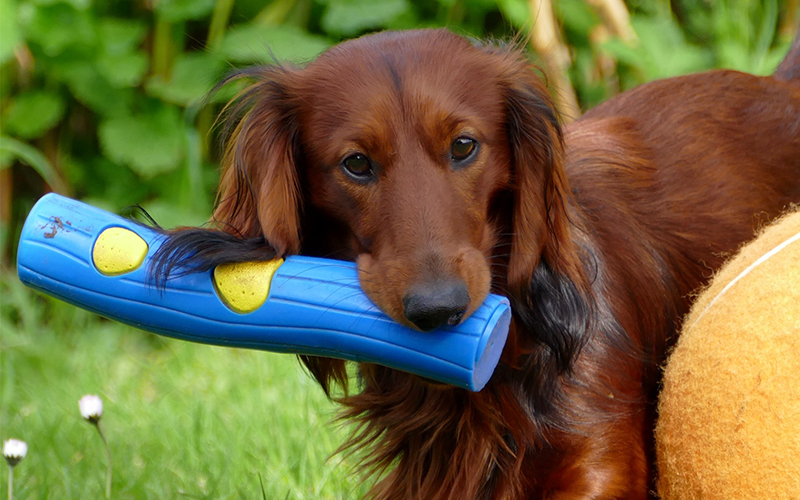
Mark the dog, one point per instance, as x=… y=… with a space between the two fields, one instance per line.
x=440 y=166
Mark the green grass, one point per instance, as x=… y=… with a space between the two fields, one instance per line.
x=183 y=420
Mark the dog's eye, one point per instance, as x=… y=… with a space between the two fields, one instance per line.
x=358 y=166
x=463 y=148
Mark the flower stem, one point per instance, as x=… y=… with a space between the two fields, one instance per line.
x=10 y=483
x=108 y=454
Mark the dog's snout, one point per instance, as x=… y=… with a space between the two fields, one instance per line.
x=433 y=305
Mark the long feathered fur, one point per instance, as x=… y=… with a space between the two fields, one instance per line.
x=598 y=234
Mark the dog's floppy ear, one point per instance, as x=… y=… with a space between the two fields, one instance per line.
x=260 y=189
x=541 y=226
x=259 y=192
x=546 y=280
x=258 y=204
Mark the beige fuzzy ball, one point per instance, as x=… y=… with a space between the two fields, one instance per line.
x=729 y=412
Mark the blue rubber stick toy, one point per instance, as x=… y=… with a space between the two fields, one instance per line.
x=303 y=305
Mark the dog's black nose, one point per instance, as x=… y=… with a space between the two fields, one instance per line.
x=436 y=304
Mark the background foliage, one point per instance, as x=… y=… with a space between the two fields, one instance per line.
x=101 y=100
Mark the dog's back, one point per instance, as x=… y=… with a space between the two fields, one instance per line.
x=711 y=148
x=692 y=166
x=718 y=151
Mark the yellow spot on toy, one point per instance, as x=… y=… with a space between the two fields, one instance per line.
x=729 y=412
x=118 y=251
x=244 y=286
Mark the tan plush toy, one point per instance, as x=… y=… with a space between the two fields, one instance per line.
x=729 y=412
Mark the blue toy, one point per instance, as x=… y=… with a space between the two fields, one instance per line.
x=303 y=305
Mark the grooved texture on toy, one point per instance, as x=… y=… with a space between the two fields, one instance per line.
x=729 y=412
x=314 y=306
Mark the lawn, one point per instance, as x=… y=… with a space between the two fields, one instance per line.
x=182 y=420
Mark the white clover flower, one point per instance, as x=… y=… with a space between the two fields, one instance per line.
x=14 y=450
x=91 y=408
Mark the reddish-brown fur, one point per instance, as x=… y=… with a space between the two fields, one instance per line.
x=599 y=236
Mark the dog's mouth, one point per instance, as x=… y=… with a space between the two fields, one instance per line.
x=425 y=299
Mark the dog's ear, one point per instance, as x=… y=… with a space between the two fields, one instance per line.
x=260 y=190
x=258 y=205
x=546 y=279
x=540 y=222
x=260 y=193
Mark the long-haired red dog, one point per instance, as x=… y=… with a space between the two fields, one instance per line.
x=440 y=167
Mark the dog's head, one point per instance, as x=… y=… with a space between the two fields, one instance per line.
x=402 y=151
x=433 y=162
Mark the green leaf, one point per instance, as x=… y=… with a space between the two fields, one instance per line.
x=94 y=90
x=623 y=52
x=733 y=55
x=772 y=59
x=78 y=4
x=578 y=17
x=408 y=20
x=665 y=49
x=182 y=10
x=121 y=36
x=38 y=161
x=33 y=113
x=661 y=51
x=193 y=76
x=517 y=12
x=10 y=34
x=169 y=215
x=150 y=143
x=229 y=91
x=765 y=34
x=107 y=180
x=349 y=17
x=5 y=158
x=123 y=70
x=478 y=6
x=57 y=27
x=593 y=90
x=254 y=43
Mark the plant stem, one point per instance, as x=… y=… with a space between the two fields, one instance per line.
x=275 y=13
x=219 y=22
x=546 y=40
x=10 y=483
x=108 y=454
x=162 y=48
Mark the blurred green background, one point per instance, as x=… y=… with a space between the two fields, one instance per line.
x=101 y=100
